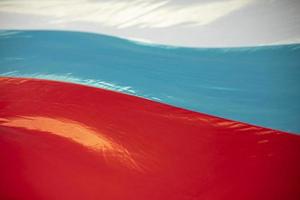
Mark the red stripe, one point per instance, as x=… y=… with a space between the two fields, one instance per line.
x=67 y=141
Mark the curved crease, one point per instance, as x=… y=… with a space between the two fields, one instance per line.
x=75 y=132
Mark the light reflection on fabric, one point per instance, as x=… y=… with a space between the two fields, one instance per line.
x=75 y=132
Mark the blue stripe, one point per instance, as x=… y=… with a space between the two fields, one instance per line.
x=259 y=85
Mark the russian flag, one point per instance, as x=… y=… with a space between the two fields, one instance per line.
x=92 y=116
